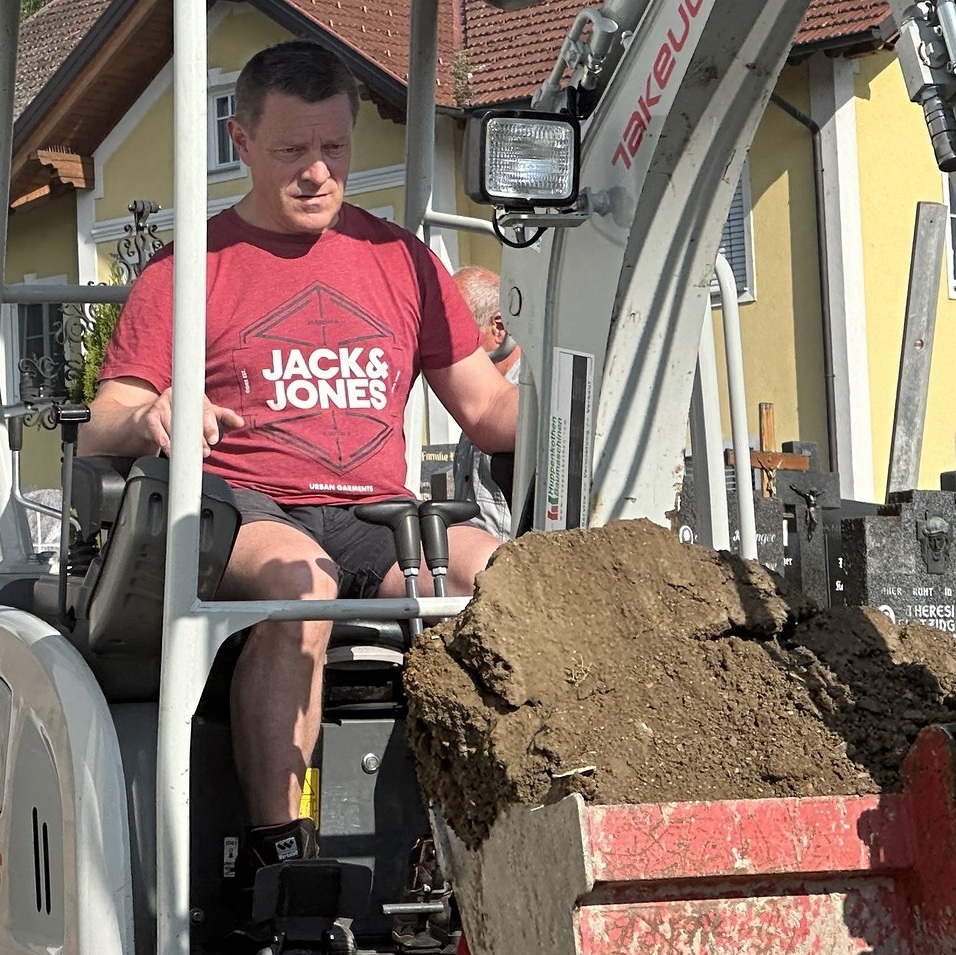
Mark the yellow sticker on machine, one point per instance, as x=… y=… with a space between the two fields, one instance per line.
x=309 y=804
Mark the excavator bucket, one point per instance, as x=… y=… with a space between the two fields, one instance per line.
x=811 y=876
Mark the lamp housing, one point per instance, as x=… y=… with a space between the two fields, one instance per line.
x=522 y=159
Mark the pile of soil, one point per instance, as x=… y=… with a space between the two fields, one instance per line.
x=628 y=667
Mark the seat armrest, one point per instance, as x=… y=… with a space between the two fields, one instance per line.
x=98 y=482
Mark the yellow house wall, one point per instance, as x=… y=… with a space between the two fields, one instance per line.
x=475 y=248
x=42 y=242
x=781 y=329
x=897 y=171
x=142 y=166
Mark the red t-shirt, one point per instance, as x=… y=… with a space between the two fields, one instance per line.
x=316 y=341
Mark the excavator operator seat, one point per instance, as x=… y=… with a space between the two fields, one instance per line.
x=116 y=602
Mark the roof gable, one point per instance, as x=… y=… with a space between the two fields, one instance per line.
x=82 y=63
x=96 y=79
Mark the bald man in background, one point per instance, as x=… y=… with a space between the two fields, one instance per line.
x=472 y=467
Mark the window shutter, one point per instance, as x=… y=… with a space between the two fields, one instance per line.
x=733 y=240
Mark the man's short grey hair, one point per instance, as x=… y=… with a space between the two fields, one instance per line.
x=300 y=68
x=479 y=287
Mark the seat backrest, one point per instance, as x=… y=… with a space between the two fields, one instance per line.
x=123 y=592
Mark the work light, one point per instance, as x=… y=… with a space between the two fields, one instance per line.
x=521 y=159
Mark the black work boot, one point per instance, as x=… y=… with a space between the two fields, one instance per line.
x=267 y=845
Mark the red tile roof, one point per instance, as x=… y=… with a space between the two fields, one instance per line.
x=834 y=21
x=46 y=39
x=377 y=29
x=510 y=54
x=490 y=56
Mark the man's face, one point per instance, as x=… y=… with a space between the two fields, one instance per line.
x=299 y=156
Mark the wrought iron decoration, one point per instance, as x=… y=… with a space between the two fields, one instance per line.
x=42 y=379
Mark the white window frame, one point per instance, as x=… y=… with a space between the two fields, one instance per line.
x=219 y=85
x=949 y=195
x=50 y=323
x=10 y=347
x=737 y=242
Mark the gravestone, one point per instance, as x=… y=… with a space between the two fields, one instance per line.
x=833 y=535
x=807 y=496
x=901 y=559
x=768 y=519
x=791 y=538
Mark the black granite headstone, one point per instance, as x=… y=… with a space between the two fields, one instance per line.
x=807 y=496
x=768 y=520
x=832 y=530
x=901 y=559
x=792 y=536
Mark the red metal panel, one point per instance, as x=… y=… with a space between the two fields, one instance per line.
x=831 y=924
x=826 y=876
x=929 y=775
x=745 y=837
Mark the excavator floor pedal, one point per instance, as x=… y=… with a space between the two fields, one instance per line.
x=305 y=898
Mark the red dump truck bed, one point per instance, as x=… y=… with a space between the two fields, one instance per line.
x=811 y=876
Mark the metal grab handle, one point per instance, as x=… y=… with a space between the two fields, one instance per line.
x=436 y=517
x=402 y=518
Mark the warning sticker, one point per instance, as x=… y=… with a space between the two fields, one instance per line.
x=569 y=440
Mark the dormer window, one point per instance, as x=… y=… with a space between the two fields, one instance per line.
x=222 y=150
x=223 y=162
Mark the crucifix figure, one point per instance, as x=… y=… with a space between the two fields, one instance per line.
x=769 y=478
x=810 y=497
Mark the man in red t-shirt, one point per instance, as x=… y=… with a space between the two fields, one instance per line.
x=319 y=319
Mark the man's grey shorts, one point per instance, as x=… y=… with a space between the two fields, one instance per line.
x=362 y=552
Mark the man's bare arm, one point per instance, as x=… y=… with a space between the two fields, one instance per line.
x=480 y=400
x=129 y=418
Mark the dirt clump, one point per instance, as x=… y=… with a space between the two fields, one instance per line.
x=628 y=667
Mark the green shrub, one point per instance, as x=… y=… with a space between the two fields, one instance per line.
x=29 y=7
x=96 y=341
